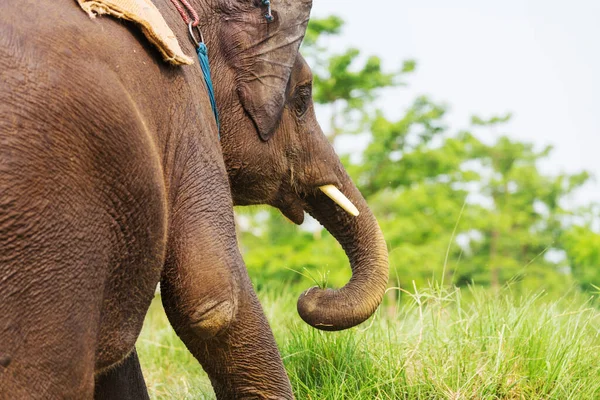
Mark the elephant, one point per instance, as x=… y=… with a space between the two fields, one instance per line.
x=113 y=178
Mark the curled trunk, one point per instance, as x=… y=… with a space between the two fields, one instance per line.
x=363 y=242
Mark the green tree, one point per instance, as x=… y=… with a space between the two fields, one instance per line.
x=522 y=218
x=582 y=246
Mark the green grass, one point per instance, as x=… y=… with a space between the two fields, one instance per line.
x=432 y=345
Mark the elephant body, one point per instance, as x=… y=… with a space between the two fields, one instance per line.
x=95 y=162
x=112 y=178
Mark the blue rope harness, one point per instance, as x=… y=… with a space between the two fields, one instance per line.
x=202 y=51
x=268 y=15
x=203 y=57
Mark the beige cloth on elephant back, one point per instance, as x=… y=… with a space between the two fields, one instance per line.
x=146 y=15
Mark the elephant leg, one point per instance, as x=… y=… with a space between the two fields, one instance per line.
x=124 y=381
x=211 y=304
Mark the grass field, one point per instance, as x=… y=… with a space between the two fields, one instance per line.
x=431 y=345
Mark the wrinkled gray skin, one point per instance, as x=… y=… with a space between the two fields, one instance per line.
x=112 y=179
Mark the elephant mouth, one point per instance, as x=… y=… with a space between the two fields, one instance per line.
x=291 y=204
x=293 y=207
x=293 y=211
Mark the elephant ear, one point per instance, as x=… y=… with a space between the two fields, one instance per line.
x=262 y=55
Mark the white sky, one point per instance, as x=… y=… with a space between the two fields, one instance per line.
x=535 y=58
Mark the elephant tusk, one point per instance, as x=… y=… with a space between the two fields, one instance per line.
x=338 y=197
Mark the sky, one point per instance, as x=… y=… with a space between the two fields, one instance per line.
x=535 y=58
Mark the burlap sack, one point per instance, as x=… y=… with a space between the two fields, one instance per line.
x=146 y=15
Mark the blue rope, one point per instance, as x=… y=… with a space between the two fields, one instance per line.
x=203 y=57
x=268 y=15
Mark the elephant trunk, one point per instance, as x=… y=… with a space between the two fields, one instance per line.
x=363 y=242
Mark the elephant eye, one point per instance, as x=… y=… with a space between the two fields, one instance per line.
x=302 y=99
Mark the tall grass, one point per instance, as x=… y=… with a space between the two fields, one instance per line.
x=434 y=344
x=171 y=372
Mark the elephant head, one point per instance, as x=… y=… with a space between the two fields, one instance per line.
x=277 y=154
